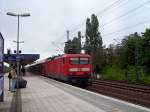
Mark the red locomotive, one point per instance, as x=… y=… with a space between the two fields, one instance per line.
x=68 y=67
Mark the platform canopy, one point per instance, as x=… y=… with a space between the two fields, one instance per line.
x=24 y=58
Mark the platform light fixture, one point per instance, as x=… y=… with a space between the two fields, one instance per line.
x=18 y=58
x=22 y=15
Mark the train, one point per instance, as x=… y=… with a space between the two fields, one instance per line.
x=71 y=68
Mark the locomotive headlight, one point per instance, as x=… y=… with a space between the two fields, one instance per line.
x=79 y=69
x=73 y=69
x=85 y=69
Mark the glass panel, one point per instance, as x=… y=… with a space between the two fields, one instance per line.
x=84 y=60
x=74 y=60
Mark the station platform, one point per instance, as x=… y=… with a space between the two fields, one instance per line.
x=43 y=94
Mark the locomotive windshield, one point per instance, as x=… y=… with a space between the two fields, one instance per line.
x=84 y=61
x=74 y=60
x=79 y=60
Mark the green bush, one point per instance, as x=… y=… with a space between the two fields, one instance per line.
x=115 y=73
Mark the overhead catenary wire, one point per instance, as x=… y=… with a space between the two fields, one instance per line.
x=99 y=13
x=110 y=6
x=119 y=17
x=56 y=45
x=113 y=5
x=126 y=18
x=129 y=27
x=125 y=14
x=106 y=9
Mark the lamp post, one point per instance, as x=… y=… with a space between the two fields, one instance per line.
x=17 y=57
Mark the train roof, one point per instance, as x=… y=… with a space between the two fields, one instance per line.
x=67 y=55
x=58 y=56
x=36 y=63
x=75 y=55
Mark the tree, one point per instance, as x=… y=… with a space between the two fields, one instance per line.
x=145 y=43
x=128 y=50
x=110 y=55
x=79 y=47
x=96 y=39
x=93 y=42
x=93 y=39
x=87 y=45
x=73 y=46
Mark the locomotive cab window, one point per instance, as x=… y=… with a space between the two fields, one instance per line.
x=74 y=60
x=84 y=60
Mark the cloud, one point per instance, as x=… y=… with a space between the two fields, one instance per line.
x=50 y=19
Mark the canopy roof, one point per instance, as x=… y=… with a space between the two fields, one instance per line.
x=24 y=58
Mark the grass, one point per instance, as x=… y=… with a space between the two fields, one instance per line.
x=114 y=73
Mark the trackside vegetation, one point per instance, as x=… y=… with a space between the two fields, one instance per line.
x=129 y=60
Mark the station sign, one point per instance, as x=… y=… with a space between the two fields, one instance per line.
x=1 y=68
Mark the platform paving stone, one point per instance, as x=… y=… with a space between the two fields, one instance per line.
x=40 y=96
x=46 y=95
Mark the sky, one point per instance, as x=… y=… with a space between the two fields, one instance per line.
x=44 y=32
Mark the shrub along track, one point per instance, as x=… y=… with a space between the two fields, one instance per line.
x=139 y=94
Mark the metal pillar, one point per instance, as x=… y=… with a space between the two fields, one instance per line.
x=137 y=66
x=17 y=58
x=1 y=68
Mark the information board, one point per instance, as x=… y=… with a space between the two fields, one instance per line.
x=1 y=68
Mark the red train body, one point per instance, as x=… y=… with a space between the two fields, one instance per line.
x=67 y=67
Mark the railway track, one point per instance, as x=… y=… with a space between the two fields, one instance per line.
x=139 y=94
